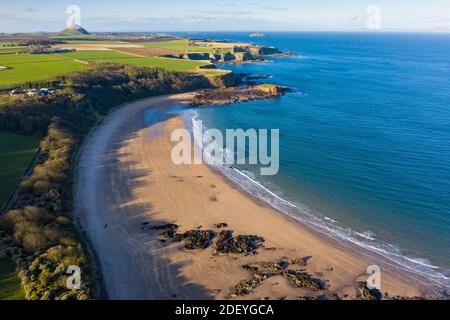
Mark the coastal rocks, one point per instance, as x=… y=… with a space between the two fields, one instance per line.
x=246 y=287
x=193 y=239
x=263 y=271
x=304 y=280
x=203 y=239
x=226 y=96
x=263 y=51
x=169 y=230
x=196 y=239
x=242 y=244
x=367 y=293
x=300 y=261
x=221 y=225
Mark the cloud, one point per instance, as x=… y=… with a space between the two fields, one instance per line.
x=29 y=9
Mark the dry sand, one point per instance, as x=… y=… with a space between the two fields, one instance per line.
x=126 y=178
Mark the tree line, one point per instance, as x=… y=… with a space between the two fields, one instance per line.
x=38 y=233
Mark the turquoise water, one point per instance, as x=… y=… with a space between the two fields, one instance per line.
x=365 y=139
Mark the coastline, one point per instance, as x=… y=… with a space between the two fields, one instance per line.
x=129 y=161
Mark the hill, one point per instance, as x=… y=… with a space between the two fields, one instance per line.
x=74 y=30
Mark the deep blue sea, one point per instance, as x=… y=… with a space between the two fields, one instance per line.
x=365 y=139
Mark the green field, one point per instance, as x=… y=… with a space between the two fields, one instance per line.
x=117 y=57
x=16 y=153
x=34 y=67
x=4 y=99
x=24 y=68
x=10 y=287
x=89 y=55
x=176 y=45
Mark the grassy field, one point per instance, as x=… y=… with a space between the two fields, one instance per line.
x=117 y=57
x=16 y=153
x=23 y=68
x=34 y=67
x=164 y=63
x=90 y=55
x=10 y=287
x=4 y=99
x=181 y=45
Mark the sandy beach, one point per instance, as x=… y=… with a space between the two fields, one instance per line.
x=127 y=183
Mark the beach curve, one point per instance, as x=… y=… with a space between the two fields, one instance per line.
x=126 y=180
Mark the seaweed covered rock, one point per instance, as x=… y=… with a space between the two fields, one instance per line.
x=196 y=239
x=246 y=287
x=242 y=244
x=367 y=293
x=263 y=271
x=304 y=280
x=299 y=261
x=221 y=225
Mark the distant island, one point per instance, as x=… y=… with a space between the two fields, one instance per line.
x=258 y=35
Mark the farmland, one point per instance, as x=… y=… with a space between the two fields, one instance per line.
x=180 y=45
x=28 y=68
x=16 y=152
x=123 y=58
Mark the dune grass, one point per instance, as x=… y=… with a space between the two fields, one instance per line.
x=16 y=153
x=10 y=287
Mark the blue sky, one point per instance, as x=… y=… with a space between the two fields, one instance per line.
x=226 y=15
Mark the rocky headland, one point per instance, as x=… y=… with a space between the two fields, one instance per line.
x=225 y=96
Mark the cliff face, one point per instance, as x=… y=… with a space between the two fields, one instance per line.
x=237 y=54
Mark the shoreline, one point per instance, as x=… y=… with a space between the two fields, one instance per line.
x=128 y=160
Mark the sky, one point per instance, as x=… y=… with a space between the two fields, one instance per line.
x=227 y=15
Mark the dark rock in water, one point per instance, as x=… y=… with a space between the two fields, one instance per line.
x=243 y=244
x=367 y=293
x=304 y=280
x=196 y=239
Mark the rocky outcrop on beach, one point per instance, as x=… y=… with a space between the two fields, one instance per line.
x=242 y=244
x=367 y=293
x=263 y=271
x=202 y=239
x=224 y=96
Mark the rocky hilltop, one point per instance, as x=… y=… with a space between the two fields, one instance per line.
x=74 y=30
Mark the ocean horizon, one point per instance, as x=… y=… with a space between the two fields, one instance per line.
x=364 y=139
